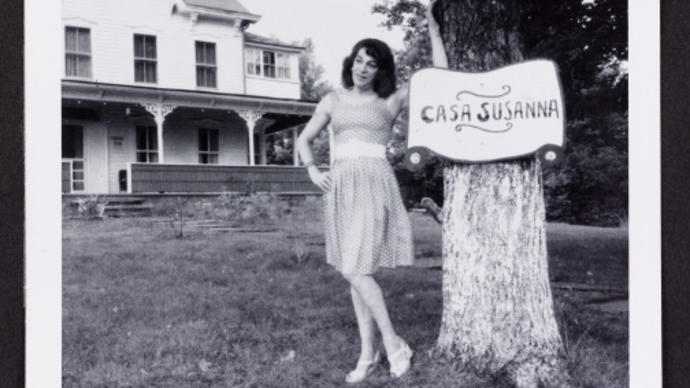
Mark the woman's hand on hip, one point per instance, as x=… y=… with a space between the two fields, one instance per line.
x=320 y=179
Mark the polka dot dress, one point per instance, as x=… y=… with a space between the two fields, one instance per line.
x=366 y=224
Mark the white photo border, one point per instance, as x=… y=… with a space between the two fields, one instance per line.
x=43 y=266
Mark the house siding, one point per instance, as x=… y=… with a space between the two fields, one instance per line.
x=121 y=143
x=114 y=23
x=283 y=88
x=94 y=155
x=110 y=136
x=180 y=140
x=96 y=158
x=261 y=87
x=171 y=178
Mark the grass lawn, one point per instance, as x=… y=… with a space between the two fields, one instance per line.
x=263 y=309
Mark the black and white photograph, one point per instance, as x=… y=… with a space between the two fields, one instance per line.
x=375 y=193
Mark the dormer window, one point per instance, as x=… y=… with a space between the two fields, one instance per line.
x=145 y=58
x=267 y=63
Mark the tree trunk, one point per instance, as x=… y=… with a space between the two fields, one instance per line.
x=498 y=316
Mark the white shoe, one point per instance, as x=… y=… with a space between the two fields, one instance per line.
x=401 y=360
x=363 y=369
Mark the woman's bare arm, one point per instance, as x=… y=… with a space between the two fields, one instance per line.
x=438 y=52
x=399 y=99
x=319 y=120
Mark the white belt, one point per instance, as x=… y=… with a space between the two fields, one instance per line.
x=354 y=149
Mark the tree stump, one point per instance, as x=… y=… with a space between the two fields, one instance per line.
x=498 y=316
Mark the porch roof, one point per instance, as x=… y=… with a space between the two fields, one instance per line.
x=103 y=92
x=254 y=39
x=223 y=9
x=223 y=5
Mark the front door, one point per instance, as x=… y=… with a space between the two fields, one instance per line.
x=73 y=158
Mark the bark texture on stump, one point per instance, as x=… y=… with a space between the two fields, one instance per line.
x=498 y=316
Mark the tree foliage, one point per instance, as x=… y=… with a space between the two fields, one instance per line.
x=588 y=41
x=312 y=88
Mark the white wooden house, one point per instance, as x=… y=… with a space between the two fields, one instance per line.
x=174 y=96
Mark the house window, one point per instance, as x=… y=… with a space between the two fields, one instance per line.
x=253 y=61
x=206 y=64
x=72 y=142
x=283 y=66
x=73 y=155
x=144 y=58
x=208 y=146
x=147 y=144
x=77 y=52
x=267 y=64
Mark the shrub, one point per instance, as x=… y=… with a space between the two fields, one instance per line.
x=92 y=208
x=177 y=210
x=299 y=218
x=256 y=208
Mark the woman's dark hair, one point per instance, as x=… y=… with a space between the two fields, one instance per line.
x=384 y=82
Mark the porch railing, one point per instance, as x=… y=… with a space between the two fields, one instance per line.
x=194 y=178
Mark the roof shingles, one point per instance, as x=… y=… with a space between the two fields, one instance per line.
x=222 y=5
x=254 y=38
x=234 y=6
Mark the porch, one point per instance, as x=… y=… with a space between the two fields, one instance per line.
x=181 y=178
x=156 y=178
x=133 y=139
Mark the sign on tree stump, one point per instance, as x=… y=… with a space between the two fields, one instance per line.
x=498 y=314
x=502 y=114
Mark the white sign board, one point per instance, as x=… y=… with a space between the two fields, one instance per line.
x=502 y=114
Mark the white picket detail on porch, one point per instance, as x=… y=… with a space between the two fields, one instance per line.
x=250 y=117
x=159 y=111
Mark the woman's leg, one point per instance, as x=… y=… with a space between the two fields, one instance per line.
x=365 y=322
x=370 y=293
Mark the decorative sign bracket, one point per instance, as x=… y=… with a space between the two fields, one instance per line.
x=502 y=114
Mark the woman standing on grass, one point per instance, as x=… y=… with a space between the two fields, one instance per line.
x=366 y=224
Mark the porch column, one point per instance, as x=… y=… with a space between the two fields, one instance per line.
x=159 y=111
x=295 y=154
x=250 y=117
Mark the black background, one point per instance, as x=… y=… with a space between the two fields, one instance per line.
x=675 y=155
x=675 y=186
x=12 y=195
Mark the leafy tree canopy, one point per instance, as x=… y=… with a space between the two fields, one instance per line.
x=312 y=86
x=280 y=145
x=588 y=41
